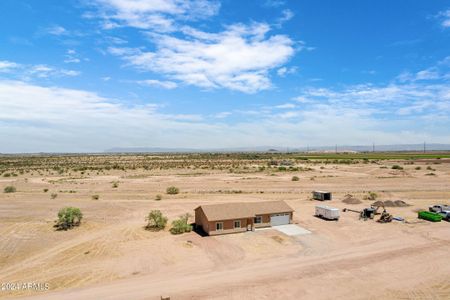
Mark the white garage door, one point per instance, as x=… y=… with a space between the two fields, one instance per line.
x=279 y=219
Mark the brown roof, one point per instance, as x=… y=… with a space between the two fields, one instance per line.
x=239 y=210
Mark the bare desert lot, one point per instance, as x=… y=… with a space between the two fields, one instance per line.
x=111 y=256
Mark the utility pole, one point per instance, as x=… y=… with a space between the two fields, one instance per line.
x=424 y=147
x=373 y=147
x=335 y=149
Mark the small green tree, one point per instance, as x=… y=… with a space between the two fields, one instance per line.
x=181 y=225
x=172 y=190
x=68 y=217
x=156 y=220
x=10 y=189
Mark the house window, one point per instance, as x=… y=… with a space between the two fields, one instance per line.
x=258 y=219
x=219 y=226
x=237 y=224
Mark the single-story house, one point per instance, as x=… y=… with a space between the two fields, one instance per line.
x=239 y=217
x=321 y=195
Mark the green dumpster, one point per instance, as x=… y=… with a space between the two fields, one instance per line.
x=430 y=216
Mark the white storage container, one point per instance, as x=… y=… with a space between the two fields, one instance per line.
x=327 y=212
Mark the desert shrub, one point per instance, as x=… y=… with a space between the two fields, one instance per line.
x=430 y=174
x=172 y=190
x=397 y=167
x=430 y=168
x=371 y=196
x=45 y=190
x=295 y=178
x=7 y=175
x=53 y=196
x=418 y=168
x=9 y=189
x=115 y=185
x=68 y=217
x=95 y=197
x=156 y=220
x=181 y=225
x=158 y=197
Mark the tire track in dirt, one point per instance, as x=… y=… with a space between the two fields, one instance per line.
x=277 y=271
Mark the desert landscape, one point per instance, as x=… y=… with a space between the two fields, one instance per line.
x=111 y=256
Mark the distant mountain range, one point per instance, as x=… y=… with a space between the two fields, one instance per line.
x=343 y=148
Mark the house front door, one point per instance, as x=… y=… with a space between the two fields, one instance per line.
x=249 y=224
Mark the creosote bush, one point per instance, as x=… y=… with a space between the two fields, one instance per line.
x=156 y=220
x=172 y=190
x=295 y=178
x=9 y=189
x=181 y=225
x=68 y=217
x=95 y=197
x=158 y=197
x=371 y=196
x=45 y=190
x=397 y=167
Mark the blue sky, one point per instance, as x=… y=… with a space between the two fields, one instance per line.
x=83 y=75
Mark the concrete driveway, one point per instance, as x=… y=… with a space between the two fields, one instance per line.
x=291 y=229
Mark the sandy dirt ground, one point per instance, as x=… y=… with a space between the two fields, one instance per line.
x=111 y=256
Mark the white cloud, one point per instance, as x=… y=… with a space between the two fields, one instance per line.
x=427 y=74
x=158 y=83
x=72 y=57
x=35 y=118
x=44 y=71
x=27 y=72
x=302 y=99
x=285 y=70
x=445 y=18
x=388 y=99
x=56 y=30
x=158 y=15
x=222 y=115
x=286 y=106
x=70 y=73
x=238 y=58
x=274 y=3
x=7 y=66
x=286 y=15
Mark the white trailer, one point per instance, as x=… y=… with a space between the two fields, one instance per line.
x=327 y=212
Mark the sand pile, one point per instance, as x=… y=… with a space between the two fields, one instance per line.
x=400 y=203
x=349 y=199
x=378 y=203
x=390 y=203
